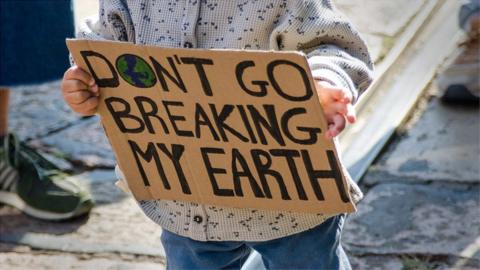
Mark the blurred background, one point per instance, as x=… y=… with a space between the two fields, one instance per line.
x=415 y=151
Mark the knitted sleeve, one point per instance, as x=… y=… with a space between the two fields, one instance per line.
x=113 y=22
x=336 y=53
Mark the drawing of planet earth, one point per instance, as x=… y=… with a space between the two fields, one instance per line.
x=135 y=71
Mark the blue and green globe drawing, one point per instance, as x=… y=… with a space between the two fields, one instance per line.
x=135 y=71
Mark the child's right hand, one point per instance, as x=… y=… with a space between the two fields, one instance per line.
x=80 y=91
x=336 y=103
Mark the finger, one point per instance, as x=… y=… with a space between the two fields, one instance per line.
x=351 y=114
x=333 y=93
x=340 y=94
x=339 y=108
x=339 y=123
x=69 y=86
x=88 y=107
x=77 y=97
x=348 y=97
x=335 y=108
x=76 y=73
x=336 y=126
x=84 y=112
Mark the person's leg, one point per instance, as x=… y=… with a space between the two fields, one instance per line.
x=459 y=82
x=28 y=181
x=31 y=183
x=469 y=11
x=317 y=248
x=185 y=253
x=4 y=97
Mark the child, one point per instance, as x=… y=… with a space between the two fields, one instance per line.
x=211 y=237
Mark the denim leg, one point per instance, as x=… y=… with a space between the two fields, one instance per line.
x=185 y=253
x=317 y=248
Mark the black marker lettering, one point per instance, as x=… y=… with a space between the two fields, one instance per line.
x=147 y=155
x=240 y=69
x=334 y=173
x=101 y=82
x=247 y=124
x=271 y=125
x=201 y=119
x=162 y=72
x=140 y=101
x=289 y=156
x=174 y=118
x=263 y=169
x=121 y=114
x=175 y=155
x=220 y=119
x=312 y=132
x=212 y=171
x=306 y=82
x=245 y=172
x=198 y=63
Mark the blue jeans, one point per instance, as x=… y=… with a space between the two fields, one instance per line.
x=317 y=248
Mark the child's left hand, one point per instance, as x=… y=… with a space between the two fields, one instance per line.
x=337 y=106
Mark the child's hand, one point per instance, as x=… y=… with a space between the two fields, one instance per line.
x=80 y=91
x=337 y=106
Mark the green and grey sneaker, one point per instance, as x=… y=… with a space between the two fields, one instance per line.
x=37 y=187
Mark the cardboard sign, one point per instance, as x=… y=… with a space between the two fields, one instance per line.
x=221 y=127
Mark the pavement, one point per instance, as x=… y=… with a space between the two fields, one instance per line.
x=421 y=209
x=422 y=194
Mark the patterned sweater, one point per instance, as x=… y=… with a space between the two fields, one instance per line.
x=335 y=52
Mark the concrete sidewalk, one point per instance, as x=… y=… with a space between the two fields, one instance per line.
x=388 y=234
x=421 y=210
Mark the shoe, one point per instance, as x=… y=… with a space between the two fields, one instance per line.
x=37 y=187
x=460 y=82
